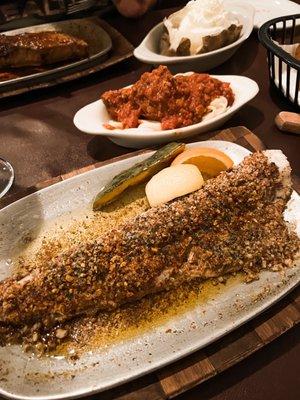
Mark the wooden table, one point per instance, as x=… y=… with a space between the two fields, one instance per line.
x=38 y=137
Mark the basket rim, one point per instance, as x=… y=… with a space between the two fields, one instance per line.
x=266 y=41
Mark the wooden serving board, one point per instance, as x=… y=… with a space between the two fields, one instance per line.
x=202 y=365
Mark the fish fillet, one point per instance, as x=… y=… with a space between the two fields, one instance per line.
x=235 y=222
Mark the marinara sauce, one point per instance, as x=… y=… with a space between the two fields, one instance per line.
x=175 y=101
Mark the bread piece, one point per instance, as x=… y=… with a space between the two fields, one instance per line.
x=288 y=122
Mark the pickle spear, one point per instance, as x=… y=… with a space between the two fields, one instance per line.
x=137 y=173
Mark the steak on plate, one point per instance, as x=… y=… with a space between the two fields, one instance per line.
x=40 y=48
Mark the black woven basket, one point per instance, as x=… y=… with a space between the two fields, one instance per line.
x=284 y=69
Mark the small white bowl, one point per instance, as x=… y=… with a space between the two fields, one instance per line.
x=148 y=53
x=90 y=119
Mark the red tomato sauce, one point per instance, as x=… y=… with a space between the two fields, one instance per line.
x=175 y=101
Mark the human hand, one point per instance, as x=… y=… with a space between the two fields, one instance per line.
x=133 y=8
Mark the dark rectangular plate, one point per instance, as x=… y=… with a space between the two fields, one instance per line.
x=88 y=29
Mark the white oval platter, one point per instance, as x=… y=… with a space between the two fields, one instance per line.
x=92 y=118
x=148 y=51
x=266 y=10
x=24 y=377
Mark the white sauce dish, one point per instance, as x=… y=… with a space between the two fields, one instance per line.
x=148 y=50
x=92 y=118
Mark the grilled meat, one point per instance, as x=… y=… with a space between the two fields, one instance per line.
x=235 y=222
x=41 y=48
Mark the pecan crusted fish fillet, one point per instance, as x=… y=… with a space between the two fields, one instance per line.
x=235 y=222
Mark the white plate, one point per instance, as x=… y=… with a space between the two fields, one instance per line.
x=147 y=51
x=90 y=119
x=269 y=9
x=31 y=378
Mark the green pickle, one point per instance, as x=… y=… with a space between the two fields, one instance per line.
x=137 y=173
